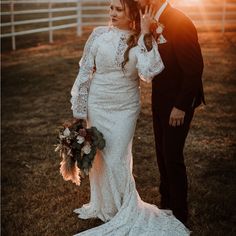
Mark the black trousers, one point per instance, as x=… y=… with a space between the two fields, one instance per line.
x=169 y=143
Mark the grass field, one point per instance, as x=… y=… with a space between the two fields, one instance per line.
x=36 y=83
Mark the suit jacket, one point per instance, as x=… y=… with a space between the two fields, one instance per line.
x=180 y=83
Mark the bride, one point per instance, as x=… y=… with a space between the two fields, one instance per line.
x=106 y=94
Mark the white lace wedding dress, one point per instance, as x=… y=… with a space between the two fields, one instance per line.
x=109 y=99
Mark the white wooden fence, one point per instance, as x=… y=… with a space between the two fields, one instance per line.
x=88 y=12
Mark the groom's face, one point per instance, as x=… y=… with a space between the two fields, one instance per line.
x=143 y=3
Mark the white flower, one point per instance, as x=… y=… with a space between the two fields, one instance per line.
x=86 y=148
x=80 y=139
x=66 y=132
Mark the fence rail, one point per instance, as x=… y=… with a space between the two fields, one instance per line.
x=82 y=10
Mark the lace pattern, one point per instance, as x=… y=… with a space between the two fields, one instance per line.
x=80 y=88
x=149 y=62
x=121 y=50
x=79 y=103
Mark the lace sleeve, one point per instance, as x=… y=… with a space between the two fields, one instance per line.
x=80 y=89
x=149 y=63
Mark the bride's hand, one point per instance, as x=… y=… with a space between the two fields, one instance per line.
x=146 y=19
x=71 y=122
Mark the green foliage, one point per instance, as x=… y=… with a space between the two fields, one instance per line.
x=98 y=139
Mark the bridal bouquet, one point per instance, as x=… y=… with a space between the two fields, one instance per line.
x=77 y=147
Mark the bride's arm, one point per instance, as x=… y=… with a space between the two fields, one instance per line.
x=149 y=62
x=80 y=89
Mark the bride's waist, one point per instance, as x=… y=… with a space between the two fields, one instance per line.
x=114 y=97
x=114 y=88
x=118 y=82
x=114 y=94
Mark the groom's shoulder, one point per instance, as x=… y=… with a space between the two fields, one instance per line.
x=180 y=18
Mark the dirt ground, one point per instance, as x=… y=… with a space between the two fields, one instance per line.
x=36 y=83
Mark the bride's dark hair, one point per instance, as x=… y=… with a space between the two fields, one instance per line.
x=135 y=25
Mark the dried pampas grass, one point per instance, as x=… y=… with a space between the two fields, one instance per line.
x=69 y=169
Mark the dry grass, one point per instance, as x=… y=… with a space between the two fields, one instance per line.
x=36 y=85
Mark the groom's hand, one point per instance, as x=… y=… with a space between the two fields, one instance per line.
x=176 y=117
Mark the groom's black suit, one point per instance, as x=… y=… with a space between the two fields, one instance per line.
x=180 y=86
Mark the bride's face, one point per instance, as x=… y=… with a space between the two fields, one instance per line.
x=119 y=15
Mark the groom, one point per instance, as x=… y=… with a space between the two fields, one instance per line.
x=176 y=92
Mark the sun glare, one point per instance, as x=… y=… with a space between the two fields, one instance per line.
x=194 y=8
x=186 y=1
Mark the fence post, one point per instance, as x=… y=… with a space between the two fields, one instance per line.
x=79 y=17
x=13 y=39
x=50 y=21
x=223 y=16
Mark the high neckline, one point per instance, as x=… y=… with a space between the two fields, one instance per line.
x=128 y=31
